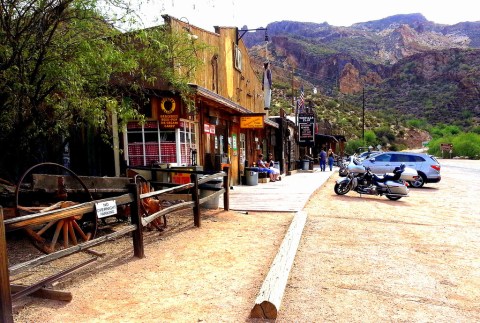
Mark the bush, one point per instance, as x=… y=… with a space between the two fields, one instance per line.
x=352 y=146
x=464 y=145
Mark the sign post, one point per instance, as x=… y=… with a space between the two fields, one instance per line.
x=446 y=147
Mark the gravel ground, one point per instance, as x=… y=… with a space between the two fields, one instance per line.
x=360 y=259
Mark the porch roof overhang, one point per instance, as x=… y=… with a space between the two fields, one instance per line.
x=325 y=137
x=228 y=105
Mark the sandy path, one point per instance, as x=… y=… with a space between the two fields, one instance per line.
x=361 y=259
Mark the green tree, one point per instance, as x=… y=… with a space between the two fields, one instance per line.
x=57 y=62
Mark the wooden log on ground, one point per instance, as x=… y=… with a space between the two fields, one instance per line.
x=46 y=293
x=267 y=303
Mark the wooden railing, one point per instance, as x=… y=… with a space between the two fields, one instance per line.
x=137 y=223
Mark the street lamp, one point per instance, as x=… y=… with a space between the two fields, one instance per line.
x=242 y=32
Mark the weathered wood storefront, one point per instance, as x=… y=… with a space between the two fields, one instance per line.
x=227 y=125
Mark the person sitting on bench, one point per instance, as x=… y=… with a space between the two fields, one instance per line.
x=262 y=167
x=271 y=165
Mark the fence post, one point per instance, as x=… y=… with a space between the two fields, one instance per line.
x=195 y=198
x=226 y=186
x=136 y=218
x=6 y=314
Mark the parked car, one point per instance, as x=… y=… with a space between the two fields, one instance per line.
x=368 y=154
x=427 y=166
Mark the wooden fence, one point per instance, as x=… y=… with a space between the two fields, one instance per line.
x=138 y=221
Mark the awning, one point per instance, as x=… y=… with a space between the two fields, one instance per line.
x=325 y=138
x=229 y=104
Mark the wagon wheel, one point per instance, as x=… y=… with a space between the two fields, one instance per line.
x=150 y=205
x=73 y=229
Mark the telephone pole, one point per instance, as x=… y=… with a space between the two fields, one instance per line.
x=293 y=97
x=363 y=115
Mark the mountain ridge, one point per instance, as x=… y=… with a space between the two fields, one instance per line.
x=403 y=63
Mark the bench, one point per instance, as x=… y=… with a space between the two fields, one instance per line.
x=263 y=177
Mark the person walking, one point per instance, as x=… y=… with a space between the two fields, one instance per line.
x=331 y=158
x=322 y=156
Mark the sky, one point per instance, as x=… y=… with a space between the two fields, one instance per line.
x=259 y=13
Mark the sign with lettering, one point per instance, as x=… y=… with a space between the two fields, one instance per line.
x=251 y=122
x=106 y=208
x=169 y=114
x=306 y=123
x=446 y=147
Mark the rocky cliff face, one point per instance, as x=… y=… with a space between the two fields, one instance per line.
x=404 y=62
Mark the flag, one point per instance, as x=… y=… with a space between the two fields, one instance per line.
x=302 y=100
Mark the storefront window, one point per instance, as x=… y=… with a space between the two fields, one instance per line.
x=187 y=141
x=147 y=144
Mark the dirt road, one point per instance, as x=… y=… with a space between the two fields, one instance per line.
x=361 y=259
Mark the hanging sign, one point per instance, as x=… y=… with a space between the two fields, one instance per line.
x=306 y=122
x=169 y=114
x=251 y=122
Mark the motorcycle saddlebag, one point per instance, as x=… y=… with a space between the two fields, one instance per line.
x=409 y=174
x=397 y=188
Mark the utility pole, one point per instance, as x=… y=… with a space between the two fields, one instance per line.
x=293 y=97
x=363 y=115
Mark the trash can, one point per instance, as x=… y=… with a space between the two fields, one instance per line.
x=305 y=164
x=251 y=176
x=209 y=188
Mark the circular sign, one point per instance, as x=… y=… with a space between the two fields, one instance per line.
x=168 y=105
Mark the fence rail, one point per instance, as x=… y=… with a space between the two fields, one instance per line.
x=138 y=222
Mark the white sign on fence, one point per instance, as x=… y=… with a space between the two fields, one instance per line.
x=106 y=208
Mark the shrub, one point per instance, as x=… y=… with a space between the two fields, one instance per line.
x=464 y=144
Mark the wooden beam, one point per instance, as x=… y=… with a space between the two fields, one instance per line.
x=51 y=279
x=21 y=267
x=46 y=293
x=195 y=198
x=54 y=215
x=269 y=299
x=226 y=187
x=6 y=314
x=175 y=207
x=136 y=219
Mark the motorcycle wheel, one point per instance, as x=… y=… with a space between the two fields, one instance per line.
x=393 y=198
x=341 y=189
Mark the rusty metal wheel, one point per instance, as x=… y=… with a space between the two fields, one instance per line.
x=150 y=205
x=58 y=234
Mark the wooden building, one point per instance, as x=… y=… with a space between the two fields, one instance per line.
x=228 y=125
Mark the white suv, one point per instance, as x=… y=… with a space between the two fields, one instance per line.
x=427 y=166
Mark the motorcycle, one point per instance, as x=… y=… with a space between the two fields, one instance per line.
x=361 y=180
x=342 y=167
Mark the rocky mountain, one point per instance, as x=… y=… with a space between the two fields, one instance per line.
x=404 y=64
